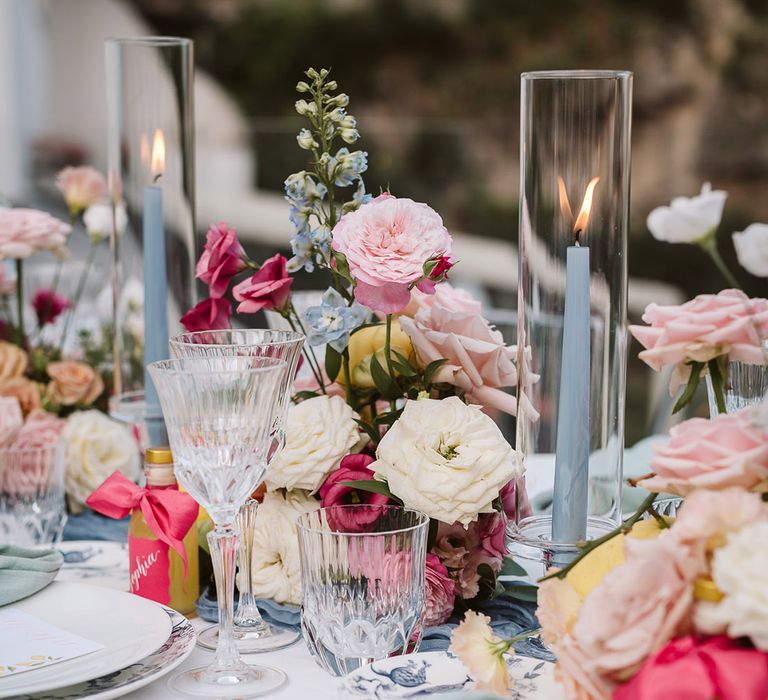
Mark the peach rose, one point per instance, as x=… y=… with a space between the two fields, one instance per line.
x=710 y=454
x=73 y=383
x=81 y=187
x=13 y=360
x=728 y=323
x=451 y=326
x=25 y=390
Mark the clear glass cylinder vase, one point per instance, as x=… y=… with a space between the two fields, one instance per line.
x=747 y=385
x=572 y=335
x=151 y=179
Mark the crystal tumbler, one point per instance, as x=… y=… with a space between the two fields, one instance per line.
x=362 y=573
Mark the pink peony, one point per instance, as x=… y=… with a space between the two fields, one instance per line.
x=269 y=288
x=450 y=326
x=49 y=305
x=334 y=493
x=710 y=454
x=700 y=668
x=27 y=231
x=81 y=187
x=440 y=593
x=222 y=258
x=386 y=243
x=727 y=323
x=209 y=315
x=41 y=429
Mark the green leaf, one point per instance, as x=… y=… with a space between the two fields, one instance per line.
x=389 y=417
x=372 y=486
x=520 y=591
x=370 y=431
x=402 y=364
x=512 y=568
x=332 y=362
x=342 y=266
x=431 y=368
x=690 y=387
x=718 y=375
x=383 y=381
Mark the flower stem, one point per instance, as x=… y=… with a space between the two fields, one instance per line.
x=309 y=351
x=710 y=247
x=78 y=292
x=20 y=302
x=622 y=529
x=388 y=354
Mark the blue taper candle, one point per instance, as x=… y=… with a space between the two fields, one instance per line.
x=569 y=506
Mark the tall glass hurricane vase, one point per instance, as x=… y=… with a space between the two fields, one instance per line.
x=220 y=415
x=252 y=633
x=572 y=336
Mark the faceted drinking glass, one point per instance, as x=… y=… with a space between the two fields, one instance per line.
x=362 y=576
x=220 y=414
x=252 y=633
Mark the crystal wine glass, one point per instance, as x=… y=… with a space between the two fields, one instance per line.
x=252 y=633
x=220 y=415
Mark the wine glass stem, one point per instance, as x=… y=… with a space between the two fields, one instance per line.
x=222 y=542
x=247 y=617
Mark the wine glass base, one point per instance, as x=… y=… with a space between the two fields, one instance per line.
x=270 y=639
x=246 y=681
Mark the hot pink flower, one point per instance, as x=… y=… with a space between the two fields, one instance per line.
x=439 y=273
x=27 y=231
x=208 y=315
x=512 y=502
x=478 y=361
x=493 y=527
x=49 y=305
x=386 y=243
x=710 y=454
x=221 y=260
x=81 y=187
x=269 y=288
x=440 y=592
x=728 y=323
x=700 y=668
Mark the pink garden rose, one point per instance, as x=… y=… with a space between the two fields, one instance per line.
x=440 y=592
x=222 y=258
x=727 y=323
x=710 y=454
x=386 y=243
x=41 y=429
x=27 y=231
x=209 y=315
x=269 y=288
x=450 y=326
x=81 y=187
x=49 y=305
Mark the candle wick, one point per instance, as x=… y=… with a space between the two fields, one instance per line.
x=577 y=235
x=156 y=178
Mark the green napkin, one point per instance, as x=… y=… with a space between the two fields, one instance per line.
x=26 y=571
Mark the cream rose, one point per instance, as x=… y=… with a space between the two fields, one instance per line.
x=275 y=563
x=319 y=433
x=445 y=458
x=94 y=447
x=73 y=383
x=13 y=360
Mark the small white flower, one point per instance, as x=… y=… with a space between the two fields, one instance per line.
x=319 y=433
x=94 y=447
x=98 y=220
x=482 y=652
x=688 y=219
x=752 y=249
x=306 y=140
x=446 y=459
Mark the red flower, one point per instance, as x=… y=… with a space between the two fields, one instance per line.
x=268 y=289
x=48 y=305
x=209 y=315
x=221 y=260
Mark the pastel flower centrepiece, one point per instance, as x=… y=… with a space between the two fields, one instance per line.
x=27 y=231
x=386 y=243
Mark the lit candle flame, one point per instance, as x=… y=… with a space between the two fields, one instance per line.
x=582 y=220
x=158 y=154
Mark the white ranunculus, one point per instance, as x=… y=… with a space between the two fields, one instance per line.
x=688 y=219
x=94 y=447
x=752 y=249
x=740 y=570
x=98 y=220
x=319 y=433
x=275 y=564
x=445 y=458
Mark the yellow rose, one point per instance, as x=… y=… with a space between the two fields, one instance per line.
x=13 y=361
x=366 y=343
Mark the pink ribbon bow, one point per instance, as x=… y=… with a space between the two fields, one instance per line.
x=169 y=512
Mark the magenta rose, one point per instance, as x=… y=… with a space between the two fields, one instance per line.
x=511 y=502
x=27 y=231
x=440 y=592
x=493 y=528
x=386 y=243
x=209 y=315
x=49 y=305
x=333 y=492
x=269 y=288
x=728 y=450
x=222 y=258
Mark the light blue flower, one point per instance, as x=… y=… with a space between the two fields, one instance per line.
x=333 y=321
x=303 y=253
x=301 y=189
x=360 y=196
x=349 y=166
x=321 y=239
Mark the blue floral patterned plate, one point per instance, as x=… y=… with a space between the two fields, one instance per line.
x=438 y=672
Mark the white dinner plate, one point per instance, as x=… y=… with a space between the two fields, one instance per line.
x=418 y=675
x=178 y=647
x=129 y=627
